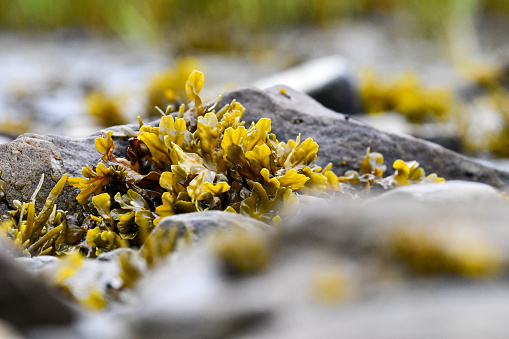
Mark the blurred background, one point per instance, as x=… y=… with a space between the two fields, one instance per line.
x=437 y=69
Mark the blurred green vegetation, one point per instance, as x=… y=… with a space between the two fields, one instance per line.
x=220 y=24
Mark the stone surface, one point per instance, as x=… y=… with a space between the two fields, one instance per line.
x=395 y=123
x=420 y=311
x=205 y=223
x=197 y=290
x=454 y=192
x=345 y=139
x=362 y=229
x=329 y=80
x=24 y=160
x=26 y=302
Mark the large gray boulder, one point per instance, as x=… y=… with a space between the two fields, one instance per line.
x=24 y=160
x=344 y=139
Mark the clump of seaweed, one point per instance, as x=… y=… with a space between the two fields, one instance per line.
x=104 y=109
x=203 y=159
x=196 y=159
x=46 y=233
x=242 y=252
x=407 y=96
x=167 y=87
x=372 y=170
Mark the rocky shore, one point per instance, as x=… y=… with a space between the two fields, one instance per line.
x=426 y=260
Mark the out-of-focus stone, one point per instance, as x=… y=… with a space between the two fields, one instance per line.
x=202 y=224
x=334 y=272
x=455 y=192
x=26 y=302
x=329 y=80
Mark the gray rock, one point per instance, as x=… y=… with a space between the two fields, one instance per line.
x=459 y=310
x=438 y=134
x=198 y=291
x=454 y=192
x=204 y=223
x=24 y=160
x=445 y=217
x=195 y=276
x=26 y=302
x=394 y=122
x=190 y=296
x=329 y=80
x=342 y=139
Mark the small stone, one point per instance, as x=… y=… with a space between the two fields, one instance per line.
x=202 y=224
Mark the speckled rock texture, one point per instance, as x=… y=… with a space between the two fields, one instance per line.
x=24 y=160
